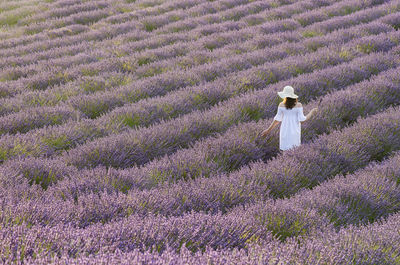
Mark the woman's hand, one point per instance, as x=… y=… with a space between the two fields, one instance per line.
x=273 y=124
x=265 y=133
x=313 y=111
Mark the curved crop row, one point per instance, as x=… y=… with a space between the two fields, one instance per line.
x=36 y=117
x=243 y=12
x=42 y=25
x=126 y=36
x=65 y=29
x=8 y=104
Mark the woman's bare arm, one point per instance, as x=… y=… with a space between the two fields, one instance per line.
x=267 y=131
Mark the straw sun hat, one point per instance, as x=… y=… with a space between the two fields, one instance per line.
x=288 y=91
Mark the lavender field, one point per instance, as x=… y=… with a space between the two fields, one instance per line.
x=130 y=132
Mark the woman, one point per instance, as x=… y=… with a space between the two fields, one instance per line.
x=290 y=113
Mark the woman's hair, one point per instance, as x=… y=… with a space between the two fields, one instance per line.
x=289 y=102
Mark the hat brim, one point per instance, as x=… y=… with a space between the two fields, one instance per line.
x=284 y=95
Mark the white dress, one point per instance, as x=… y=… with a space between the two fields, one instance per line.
x=290 y=131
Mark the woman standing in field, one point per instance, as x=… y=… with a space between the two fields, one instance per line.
x=290 y=113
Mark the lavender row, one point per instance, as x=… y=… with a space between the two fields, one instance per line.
x=36 y=117
x=55 y=76
x=69 y=14
x=175 y=106
x=13 y=16
x=308 y=6
x=233 y=230
x=82 y=17
x=230 y=15
x=56 y=94
x=20 y=76
x=129 y=48
x=152 y=233
x=360 y=198
x=51 y=77
x=376 y=243
x=57 y=12
x=336 y=9
x=289 y=8
x=362 y=16
x=48 y=137
x=85 y=16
